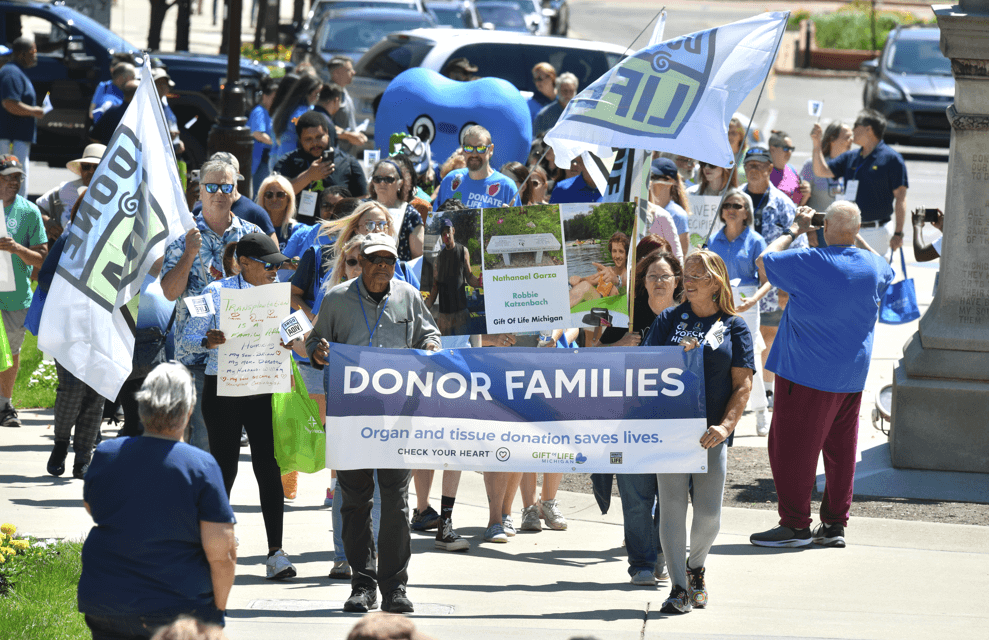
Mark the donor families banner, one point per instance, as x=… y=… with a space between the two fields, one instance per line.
x=604 y=410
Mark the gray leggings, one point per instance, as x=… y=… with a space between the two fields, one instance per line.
x=708 y=494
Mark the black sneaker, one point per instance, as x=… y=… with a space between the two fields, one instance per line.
x=79 y=470
x=8 y=416
x=426 y=520
x=395 y=601
x=782 y=537
x=449 y=540
x=829 y=535
x=361 y=600
x=678 y=602
x=695 y=587
x=56 y=462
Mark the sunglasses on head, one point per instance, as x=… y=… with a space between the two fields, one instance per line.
x=385 y=179
x=375 y=225
x=268 y=266
x=733 y=205
x=212 y=187
x=280 y=195
x=376 y=259
x=351 y=262
x=478 y=149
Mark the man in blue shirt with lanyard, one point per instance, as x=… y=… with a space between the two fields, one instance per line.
x=875 y=178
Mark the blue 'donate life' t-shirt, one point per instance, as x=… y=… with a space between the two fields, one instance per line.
x=145 y=553
x=825 y=336
x=677 y=323
x=497 y=190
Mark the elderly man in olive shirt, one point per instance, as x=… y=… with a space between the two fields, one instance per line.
x=375 y=310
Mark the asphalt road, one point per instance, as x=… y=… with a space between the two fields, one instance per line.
x=784 y=102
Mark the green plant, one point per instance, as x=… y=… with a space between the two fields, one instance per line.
x=38 y=581
x=36 y=383
x=851 y=26
x=522 y=221
x=266 y=54
x=793 y=24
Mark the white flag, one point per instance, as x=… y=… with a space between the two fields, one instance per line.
x=676 y=96
x=133 y=209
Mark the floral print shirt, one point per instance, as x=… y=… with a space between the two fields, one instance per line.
x=774 y=213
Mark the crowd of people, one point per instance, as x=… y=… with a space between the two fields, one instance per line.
x=754 y=300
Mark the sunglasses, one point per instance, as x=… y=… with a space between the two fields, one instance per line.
x=385 y=179
x=376 y=259
x=376 y=225
x=212 y=187
x=351 y=262
x=268 y=266
x=280 y=195
x=788 y=149
x=733 y=205
x=479 y=149
x=538 y=79
x=689 y=278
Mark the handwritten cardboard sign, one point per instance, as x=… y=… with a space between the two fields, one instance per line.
x=251 y=361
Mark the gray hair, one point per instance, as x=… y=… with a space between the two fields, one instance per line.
x=166 y=398
x=746 y=201
x=567 y=78
x=845 y=217
x=216 y=166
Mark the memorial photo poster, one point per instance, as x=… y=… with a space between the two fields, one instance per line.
x=597 y=246
x=525 y=274
x=251 y=361
x=451 y=266
x=703 y=211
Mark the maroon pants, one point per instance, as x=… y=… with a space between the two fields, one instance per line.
x=806 y=422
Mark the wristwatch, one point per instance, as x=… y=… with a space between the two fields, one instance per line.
x=205 y=343
x=898 y=233
x=790 y=233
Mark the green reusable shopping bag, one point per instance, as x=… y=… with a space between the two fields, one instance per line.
x=6 y=359
x=300 y=442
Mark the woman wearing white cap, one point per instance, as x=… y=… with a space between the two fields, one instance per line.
x=56 y=204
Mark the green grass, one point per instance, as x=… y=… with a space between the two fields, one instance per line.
x=35 y=394
x=40 y=604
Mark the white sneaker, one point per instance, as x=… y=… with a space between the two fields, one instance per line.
x=550 y=512
x=761 y=425
x=530 y=518
x=278 y=567
x=508 y=525
x=644 y=578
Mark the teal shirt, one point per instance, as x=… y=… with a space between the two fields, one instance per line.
x=25 y=226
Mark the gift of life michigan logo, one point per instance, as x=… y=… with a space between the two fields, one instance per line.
x=657 y=90
x=106 y=244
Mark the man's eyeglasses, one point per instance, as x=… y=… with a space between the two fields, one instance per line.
x=212 y=187
x=385 y=179
x=663 y=278
x=376 y=225
x=479 y=149
x=268 y=195
x=351 y=262
x=733 y=205
x=376 y=259
x=268 y=266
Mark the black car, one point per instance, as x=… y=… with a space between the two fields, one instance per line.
x=911 y=84
x=74 y=54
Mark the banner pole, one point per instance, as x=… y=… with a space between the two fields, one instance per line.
x=738 y=156
x=643 y=201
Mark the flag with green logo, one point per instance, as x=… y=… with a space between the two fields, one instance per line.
x=676 y=96
x=133 y=209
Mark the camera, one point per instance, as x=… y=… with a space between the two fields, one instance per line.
x=328 y=155
x=598 y=317
x=817 y=220
x=930 y=215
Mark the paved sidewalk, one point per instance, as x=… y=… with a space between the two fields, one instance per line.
x=896 y=579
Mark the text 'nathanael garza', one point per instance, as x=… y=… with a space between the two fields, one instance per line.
x=582 y=383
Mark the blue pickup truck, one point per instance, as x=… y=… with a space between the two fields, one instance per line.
x=74 y=54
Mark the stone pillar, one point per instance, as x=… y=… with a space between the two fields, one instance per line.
x=940 y=417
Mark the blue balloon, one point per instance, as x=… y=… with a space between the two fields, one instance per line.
x=437 y=110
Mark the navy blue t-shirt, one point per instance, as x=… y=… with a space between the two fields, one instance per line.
x=879 y=174
x=15 y=85
x=825 y=336
x=247 y=210
x=305 y=276
x=145 y=553
x=677 y=323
